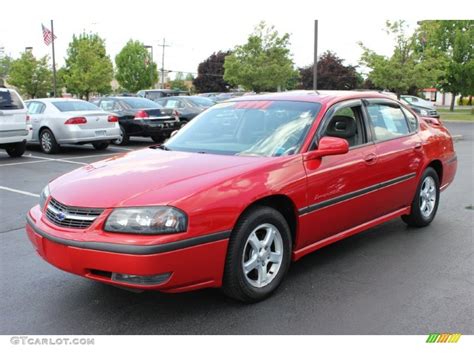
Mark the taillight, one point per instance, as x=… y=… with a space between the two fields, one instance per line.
x=113 y=119
x=141 y=115
x=76 y=120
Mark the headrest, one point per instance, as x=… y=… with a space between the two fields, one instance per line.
x=342 y=127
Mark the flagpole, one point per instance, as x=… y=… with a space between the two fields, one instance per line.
x=54 y=60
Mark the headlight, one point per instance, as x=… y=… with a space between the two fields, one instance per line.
x=44 y=197
x=423 y=112
x=147 y=220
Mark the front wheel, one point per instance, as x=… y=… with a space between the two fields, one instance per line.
x=258 y=255
x=16 y=150
x=426 y=200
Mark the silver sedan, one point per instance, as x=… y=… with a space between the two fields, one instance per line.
x=58 y=121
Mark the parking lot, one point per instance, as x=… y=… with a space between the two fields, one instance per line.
x=388 y=280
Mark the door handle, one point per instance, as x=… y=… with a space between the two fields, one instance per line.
x=370 y=158
x=418 y=146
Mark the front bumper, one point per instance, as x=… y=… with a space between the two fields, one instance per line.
x=191 y=264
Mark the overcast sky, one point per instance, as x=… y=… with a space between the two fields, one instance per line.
x=195 y=29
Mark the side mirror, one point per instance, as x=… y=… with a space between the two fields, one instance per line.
x=328 y=146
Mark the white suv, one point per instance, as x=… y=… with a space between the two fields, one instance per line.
x=15 y=127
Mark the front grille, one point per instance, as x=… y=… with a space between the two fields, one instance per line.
x=71 y=217
x=433 y=112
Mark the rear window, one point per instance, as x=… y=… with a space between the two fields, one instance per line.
x=201 y=101
x=68 y=106
x=9 y=100
x=137 y=102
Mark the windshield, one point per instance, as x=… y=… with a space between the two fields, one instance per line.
x=138 y=102
x=75 y=105
x=259 y=128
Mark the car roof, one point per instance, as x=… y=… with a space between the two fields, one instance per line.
x=320 y=96
x=54 y=99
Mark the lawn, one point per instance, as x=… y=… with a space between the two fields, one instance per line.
x=459 y=114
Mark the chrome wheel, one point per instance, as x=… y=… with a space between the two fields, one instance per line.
x=46 y=141
x=263 y=255
x=427 y=196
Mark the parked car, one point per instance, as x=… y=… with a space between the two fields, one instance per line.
x=141 y=117
x=243 y=190
x=154 y=94
x=58 y=121
x=15 y=127
x=187 y=107
x=420 y=106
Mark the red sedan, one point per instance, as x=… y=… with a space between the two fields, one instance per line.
x=244 y=189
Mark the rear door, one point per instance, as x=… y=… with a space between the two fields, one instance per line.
x=399 y=152
x=12 y=113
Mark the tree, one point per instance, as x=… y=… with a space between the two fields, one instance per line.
x=5 y=63
x=332 y=74
x=178 y=82
x=31 y=76
x=135 y=70
x=404 y=70
x=263 y=63
x=454 y=41
x=189 y=77
x=210 y=76
x=88 y=68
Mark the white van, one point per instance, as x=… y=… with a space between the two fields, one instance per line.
x=15 y=127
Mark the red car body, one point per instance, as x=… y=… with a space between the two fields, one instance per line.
x=325 y=200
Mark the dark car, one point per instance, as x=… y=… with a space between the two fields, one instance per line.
x=141 y=117
x=188 y=107
x=155 y=94
x=420 y=106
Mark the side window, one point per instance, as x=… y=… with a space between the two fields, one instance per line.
x=347 y=123
x=172 y=104
x=387 y=120
x=108 y=105
x=35 y=107
x=412 y=121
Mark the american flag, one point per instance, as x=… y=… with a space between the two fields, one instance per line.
x=48 y=36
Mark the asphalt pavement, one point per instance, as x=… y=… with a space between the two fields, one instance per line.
x=389 y=280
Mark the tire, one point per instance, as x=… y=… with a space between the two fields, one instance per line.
x=158 y=138
x=16 y=150
x=248 y=286
x=426 y=200
x=124 y=138
x=48 y=142
x=100 y=145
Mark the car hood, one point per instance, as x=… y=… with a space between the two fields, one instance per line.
x=146 y=177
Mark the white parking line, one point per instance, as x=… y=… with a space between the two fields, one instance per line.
x=19 y=191
x=121 y=148
x=25 y=162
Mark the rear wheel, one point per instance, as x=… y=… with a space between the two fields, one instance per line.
x=48 y=142
x=158 y=138
x=124 y=138
x=16 y=150
x=258 y=255
x=100 y=145
x=425 y=203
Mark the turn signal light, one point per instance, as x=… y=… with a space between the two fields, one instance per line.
x=76 y=120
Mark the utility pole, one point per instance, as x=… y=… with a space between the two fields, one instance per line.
x=163 y=45
x=315 y=65
x=151 y=65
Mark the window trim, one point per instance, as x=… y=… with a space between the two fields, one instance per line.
x=387 y=102
x=330 y=113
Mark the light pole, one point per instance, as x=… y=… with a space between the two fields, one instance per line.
x=315 y=66
x=151 y=64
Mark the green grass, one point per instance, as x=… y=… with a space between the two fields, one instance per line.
x=459 y=114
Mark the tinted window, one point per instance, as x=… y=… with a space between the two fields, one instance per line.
x=388 y=121
x=138 y=102
x=411 y=118
x=9 y=100
x=201 y=101
x=261 y=128
x=173 y=103
x=108 y=105
x=153 y=95
x=74 y=105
